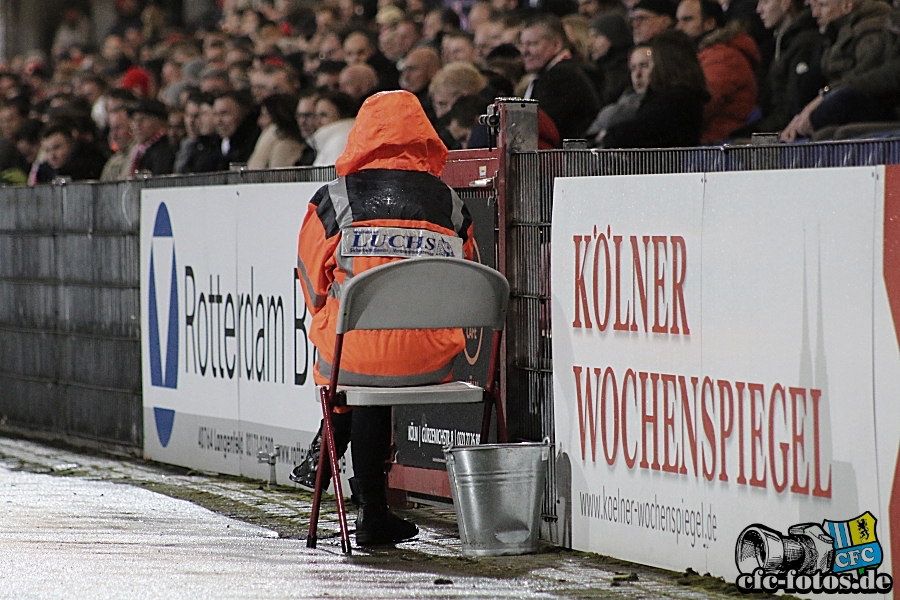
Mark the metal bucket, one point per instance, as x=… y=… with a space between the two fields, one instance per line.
x=497 y=491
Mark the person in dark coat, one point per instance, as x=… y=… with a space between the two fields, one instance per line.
x=610 y=43
x=641 y=63
x=855 y=45
x=236 y=125
x=649 y=18
x=880 y=84
x=153 y=151
x=199 y=151
x=417 y=70
x=13 y=166
x=796 y=38
x=359 y=48
x=671 y=113
x=561 y=88
x=65 y=157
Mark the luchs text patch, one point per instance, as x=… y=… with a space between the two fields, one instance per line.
x=399 y=241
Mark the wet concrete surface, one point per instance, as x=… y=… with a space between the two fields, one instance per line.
x=77 y=525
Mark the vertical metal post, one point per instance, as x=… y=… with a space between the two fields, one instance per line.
x=517 y=131
x=518 y=124
x=271 y=459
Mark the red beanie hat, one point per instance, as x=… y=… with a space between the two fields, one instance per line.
x=137 y=80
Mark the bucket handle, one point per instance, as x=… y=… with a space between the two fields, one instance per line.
x=448 y=456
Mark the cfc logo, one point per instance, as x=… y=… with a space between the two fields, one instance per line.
x=835 y=557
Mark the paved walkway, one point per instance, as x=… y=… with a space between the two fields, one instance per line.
x=69 y=528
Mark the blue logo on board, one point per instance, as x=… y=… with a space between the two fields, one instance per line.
x=165 y=418
x=163 y=367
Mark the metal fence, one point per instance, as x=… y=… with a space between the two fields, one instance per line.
x=70 y=359
x=69 y=282
x=530 y=206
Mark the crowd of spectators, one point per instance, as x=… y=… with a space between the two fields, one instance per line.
x=277 y=83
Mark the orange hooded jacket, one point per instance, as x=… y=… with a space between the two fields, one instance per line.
x=387 y=204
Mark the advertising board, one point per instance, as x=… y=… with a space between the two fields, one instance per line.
x=726 y=372
x=227 y=366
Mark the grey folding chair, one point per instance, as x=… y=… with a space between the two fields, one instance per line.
x=415 y=293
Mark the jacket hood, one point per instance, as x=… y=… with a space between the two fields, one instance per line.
x=392 y=132
x=733 y=35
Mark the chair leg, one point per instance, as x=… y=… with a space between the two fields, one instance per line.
x=502 y=436
x=336 y=479
x=492 y=403
x=312 y=535
x=486 y=419
x=491 y=397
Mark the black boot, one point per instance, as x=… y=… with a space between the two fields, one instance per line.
x=304 y=474
x=375 y=524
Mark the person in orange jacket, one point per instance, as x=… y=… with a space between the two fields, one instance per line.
x=387 y=204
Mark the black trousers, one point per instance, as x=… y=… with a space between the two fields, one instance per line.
x=847 y=105
x=370 y=440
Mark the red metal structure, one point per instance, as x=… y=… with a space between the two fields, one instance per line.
x=480 y=174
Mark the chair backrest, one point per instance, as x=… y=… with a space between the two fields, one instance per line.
x=424 y=293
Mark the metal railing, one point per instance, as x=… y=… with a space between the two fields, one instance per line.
x=529 y=212
x=70 y=306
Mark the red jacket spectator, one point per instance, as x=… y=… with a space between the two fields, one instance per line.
x=728 y=57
